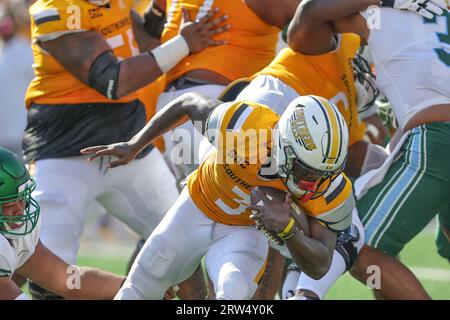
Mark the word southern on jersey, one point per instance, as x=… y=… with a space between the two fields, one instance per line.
x=51 y=19
x=328 y=75
x=251 y=41
x=222 y=185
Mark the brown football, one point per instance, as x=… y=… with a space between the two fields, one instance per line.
x=279 y=195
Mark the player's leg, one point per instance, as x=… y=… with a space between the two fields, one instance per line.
x=236 y=261
x=272 y=92
x=142 y=201
x=140 y=193
x=272 y=278
x=171 y=253
x=63 y=188
x=397 y=209
x=290 y=281
x=443 y=233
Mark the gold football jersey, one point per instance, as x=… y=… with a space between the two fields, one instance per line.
x=328 y=75
x=251 y=41
x=51 y=19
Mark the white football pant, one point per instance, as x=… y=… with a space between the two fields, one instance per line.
x=235 y=255
x=138 y=194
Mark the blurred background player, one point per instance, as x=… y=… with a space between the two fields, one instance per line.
x=88 y=69
x=16 y=72
x=251 y=45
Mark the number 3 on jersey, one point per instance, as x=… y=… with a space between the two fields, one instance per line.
x=243 y=201
x=443 y=55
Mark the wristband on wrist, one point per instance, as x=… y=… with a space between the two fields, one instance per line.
x=288 y=228
x=170 y=53
x=293 y=231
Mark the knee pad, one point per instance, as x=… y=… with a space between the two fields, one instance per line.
x=236 y=286
x=156 y=258
x=148 y=277
x=39 y=293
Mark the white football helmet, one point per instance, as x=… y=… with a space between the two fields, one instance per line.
x=310 y=143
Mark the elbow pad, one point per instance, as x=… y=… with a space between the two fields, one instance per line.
x=154 y=20
x=104 y=75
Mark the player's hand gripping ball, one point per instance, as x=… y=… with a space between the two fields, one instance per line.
x=272 y=210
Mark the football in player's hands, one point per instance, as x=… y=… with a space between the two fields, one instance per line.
x=272 y=201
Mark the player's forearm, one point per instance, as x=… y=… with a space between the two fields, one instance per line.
x=94 y=284
x=191 y=106
x=311 y=256
x=137 y=72
x=145 y=41
x=318 y=11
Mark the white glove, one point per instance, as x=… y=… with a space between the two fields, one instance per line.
x=426 y=8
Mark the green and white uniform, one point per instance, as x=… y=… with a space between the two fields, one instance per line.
x=415 y=186
x=412 y=60
x=19 y=232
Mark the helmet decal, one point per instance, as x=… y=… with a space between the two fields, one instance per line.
x=300 y=129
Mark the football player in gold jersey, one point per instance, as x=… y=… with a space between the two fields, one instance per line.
x=90 y=58
x=343 y=77
x=303 y=152
x=251 y=44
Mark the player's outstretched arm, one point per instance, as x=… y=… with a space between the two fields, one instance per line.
x=315 y=22
x=88 y=56
x=193 y=106
x=70 y=282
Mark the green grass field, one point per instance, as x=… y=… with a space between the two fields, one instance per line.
x=420 y=254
